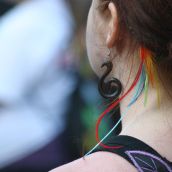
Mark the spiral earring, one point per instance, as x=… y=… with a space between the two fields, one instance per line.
x=112 y=88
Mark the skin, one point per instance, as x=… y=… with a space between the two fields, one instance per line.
x=151 y=124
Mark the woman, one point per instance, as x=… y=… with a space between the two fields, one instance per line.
x=129 y=45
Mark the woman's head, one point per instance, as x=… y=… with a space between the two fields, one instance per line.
x=125 y=26
x=136 y=32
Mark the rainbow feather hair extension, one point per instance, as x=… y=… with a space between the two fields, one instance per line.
x=151 y=73
x=146 y=74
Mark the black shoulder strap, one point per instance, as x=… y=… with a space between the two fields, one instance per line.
x=138 y=153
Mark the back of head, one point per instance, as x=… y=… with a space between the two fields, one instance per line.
x=148 y=22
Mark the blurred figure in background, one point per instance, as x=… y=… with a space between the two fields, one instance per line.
x=34 y=87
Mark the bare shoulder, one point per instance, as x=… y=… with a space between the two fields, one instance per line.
x=100 y=161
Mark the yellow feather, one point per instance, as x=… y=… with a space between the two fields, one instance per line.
x=152 y=73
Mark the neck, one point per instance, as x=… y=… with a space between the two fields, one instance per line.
x=149 y=123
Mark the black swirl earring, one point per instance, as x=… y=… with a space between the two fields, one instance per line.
x=112 y=88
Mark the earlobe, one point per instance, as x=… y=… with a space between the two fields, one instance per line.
x=112 y=25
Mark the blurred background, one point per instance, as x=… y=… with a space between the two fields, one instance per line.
x=49 y=101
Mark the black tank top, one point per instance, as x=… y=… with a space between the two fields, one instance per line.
x=143 y=157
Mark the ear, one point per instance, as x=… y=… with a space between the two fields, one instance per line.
x=112 y=27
